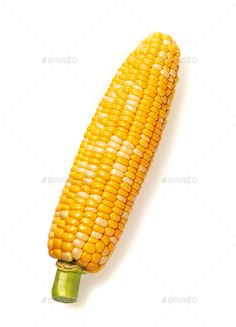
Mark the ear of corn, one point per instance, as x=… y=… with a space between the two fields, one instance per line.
x=115 y=155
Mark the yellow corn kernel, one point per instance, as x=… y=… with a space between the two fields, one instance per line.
x=115 y=217
x=117 y=211
x=85 y=257
x=96 y=257
x=66 y=246
x=109 y=231
x=92 y=239
x=99 y=247
x=57 y=253
x=111 y=246
x=58 y=232
x=57 y=243
x=110 y=190
x=70 y=229
x=89 y=248
x=117 y=233
x=92 y=267
x=87 y=222
x=68 y=237
x=103 y=215
x=76 y=214
x=103 y=208
x=109 y=196
x=98 y=228
x=72 y=221
x=105 y=239
x=51 y=235
x=90 y=215
x=85 y=229
x=50 y=244
x=112 y=224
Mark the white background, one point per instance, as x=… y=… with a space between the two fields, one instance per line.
x=179 y=245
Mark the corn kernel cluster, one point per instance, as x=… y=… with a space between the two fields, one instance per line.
x=114 y=156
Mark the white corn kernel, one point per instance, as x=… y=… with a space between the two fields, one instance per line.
x=91 y=209
x=121 y=198
x=162 y=54
x=166 y=42
x=132 y=103
x=96 y=235
x=82 y=163
x=78 y=243
x=125 y=214
x=130 y=108
x=101 y=222
x=80 y=170
x=172 y=73
x=113 y=239
x=82 y=236
x=105 y=251
x=102 y=116
x=111 y=150
x=64 y=214
x=87 y=181
x=157 y=66
x=96 y=198
x=138 y=87
x=66 y=256
x=83 y=195
x=76 y=253
x=99 y=124
x=103 y=260
x=145 y=137
x=89 y=147
x=117 y=172
x=108 y=99
x=164 y=73
x=120 y=167
x=128 y=144
x=123 y=155
x=101 y=144
x=128 y=180
x=114 y=145
x=93 y=167
x=126 y=150
x=98 y=150
x=89 y=173
x=138 y=152
x=116 y=139
x=134 y=97
x=142 y=169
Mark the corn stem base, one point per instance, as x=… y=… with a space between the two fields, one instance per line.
x=66 y=286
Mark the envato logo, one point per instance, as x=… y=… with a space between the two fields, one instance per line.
x=59 y=60
x=179 y=180
x=188 y=60
x=53 y=180
x=179 y=300
x=50 y=300
x=47 y=299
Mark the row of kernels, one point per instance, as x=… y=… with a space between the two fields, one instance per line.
x=112 y=224
x=144 y=162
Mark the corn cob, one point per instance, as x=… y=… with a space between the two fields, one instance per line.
x=111 y=163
